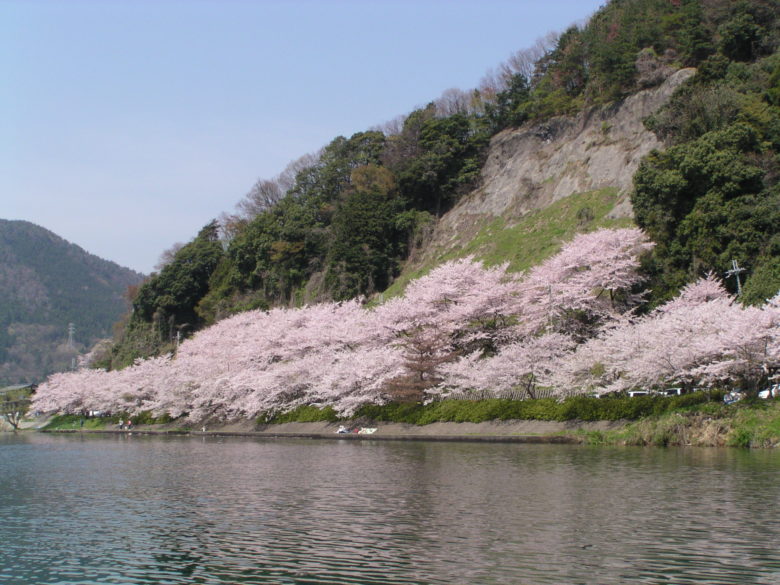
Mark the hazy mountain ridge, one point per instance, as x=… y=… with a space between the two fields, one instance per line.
x=45 y=284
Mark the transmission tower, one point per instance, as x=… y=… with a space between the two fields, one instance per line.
x=735 y=271
x=71 y=331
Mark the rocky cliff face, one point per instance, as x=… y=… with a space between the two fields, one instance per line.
x=533 y=166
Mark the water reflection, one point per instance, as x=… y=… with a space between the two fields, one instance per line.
x=138 y=510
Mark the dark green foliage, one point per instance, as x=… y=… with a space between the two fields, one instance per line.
x=704 y=203
x=599 y=63
x=773 y=85
x=689 y=31
x=714 y=196
x=610 y=57
x=139 y=339
x=764 y=283
x=367 y=244
x=584 y=408
x=348 y=222
x=743 y=36
x=448 y=158
x=630 y=44
x=165 y=306
x=567 y=66
x=324 y=181
x=695 y=110
x=64 y=422
x=713 y=68
x=511 y=105
x=174 y=293
x=278 y=252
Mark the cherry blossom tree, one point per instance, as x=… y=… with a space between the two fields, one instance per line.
x=459 y=306
x=461 y=298
x=462 y=327
x=588 y=283
x=522 y=365
x=702 y=337
x=425 y=350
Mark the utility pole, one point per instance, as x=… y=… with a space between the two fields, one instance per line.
x=735 y=271
x=550 y=308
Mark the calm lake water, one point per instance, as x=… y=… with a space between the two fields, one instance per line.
x=143 y=510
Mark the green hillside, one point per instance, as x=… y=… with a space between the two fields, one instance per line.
x=345 y=222
x=47 y=283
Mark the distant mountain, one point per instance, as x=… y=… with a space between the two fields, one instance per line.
x=47 y=283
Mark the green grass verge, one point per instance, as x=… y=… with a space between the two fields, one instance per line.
x=582 y=408
x=699 y=419
x=67 y=422
x=694 y=419
x=753 y=423
x=300 y=414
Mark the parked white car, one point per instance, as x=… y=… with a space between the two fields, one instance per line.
x=772 y=392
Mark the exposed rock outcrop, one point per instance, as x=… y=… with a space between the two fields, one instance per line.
x=533 y=166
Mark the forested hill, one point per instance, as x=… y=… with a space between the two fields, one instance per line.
x=698 y=172
x=46 y=283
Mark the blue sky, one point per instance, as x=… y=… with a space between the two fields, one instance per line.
x=127 y=125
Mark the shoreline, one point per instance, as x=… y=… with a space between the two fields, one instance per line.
x=710 y=424
x=528 y=432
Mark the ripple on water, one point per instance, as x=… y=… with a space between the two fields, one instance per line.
x=173 y=511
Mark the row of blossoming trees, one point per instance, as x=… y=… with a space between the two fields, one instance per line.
x=568 y=325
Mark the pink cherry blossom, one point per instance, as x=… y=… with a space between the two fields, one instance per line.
x=567 y=325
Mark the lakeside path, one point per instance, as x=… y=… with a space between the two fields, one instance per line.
x=513 y=431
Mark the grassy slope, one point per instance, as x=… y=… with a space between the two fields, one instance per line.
x=750 y=424
x=529 y=241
